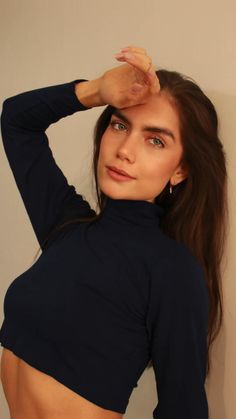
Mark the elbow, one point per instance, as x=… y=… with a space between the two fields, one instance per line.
x=7 y=108
x=7 y=116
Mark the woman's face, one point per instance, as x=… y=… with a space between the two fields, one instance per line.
x=144 y=141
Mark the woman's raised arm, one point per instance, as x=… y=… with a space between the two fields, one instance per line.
x=25 y=118
x=43 y=187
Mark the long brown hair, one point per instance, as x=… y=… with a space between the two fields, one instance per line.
x=197 y=210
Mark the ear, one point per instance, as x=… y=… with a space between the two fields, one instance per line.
x=179 y=175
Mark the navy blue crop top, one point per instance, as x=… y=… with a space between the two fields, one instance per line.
x=104 y=298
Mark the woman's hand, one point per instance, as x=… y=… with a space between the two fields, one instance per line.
x=127 y=85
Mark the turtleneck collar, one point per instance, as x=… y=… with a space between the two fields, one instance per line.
x=139 y=212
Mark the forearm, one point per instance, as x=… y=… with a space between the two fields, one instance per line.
x=88 y=93
x=35 y=110
x=43 y=187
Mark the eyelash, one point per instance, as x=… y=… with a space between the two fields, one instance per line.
x=114 y=123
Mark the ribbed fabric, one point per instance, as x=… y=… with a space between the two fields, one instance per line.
x=104 y=297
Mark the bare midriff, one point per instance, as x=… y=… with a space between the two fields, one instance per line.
x=31 y=394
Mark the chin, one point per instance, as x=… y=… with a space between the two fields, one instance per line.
x=111 y=193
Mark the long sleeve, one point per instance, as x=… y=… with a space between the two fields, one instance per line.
x=43 y=187
x=179 y=340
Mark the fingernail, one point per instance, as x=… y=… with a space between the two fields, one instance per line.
x=128 y=54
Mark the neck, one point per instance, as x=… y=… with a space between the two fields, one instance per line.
x=129 y=212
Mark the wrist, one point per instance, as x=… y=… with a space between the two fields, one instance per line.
x=87 y=93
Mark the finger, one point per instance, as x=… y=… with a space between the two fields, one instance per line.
x=144 y=58
x=149 y=66
x=134 y=49
x=141 y=62
x=154 y=82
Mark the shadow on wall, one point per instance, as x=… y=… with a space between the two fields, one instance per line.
x=143 y=398
x=215 y=382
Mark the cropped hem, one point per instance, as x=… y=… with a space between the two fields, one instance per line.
x=42 y=355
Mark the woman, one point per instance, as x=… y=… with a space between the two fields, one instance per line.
x=135 y=285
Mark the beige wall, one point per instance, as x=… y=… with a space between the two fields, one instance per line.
x=49 y=42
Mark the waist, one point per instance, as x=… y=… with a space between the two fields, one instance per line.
x=32 y=394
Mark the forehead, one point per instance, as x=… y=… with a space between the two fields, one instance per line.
x=157 y=110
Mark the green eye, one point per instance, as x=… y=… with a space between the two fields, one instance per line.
x=160 y=142
x=118 y=126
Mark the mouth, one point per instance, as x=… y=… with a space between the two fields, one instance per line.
x=118 y=176
x=120 y=172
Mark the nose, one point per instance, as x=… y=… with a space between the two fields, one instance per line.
x=128 y=148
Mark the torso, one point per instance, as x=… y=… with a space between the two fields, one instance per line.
x=31 y=394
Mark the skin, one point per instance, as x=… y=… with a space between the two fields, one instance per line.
x=134 y=89
x=31 y=394
x=124 y=86
x=152 y=158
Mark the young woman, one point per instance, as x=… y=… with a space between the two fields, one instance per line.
x=138 y=283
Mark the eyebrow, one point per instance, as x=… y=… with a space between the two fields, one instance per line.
x=159 y=130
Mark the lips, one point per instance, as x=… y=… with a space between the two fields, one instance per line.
x=120 y=171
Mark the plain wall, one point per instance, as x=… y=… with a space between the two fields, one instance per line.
x=52 y=42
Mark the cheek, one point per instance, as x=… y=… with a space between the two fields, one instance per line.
x=105 y=146
x=162 y=166
x=104 y=152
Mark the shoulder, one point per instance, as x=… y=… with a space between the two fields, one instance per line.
x=174 y=253
x=179 y=273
